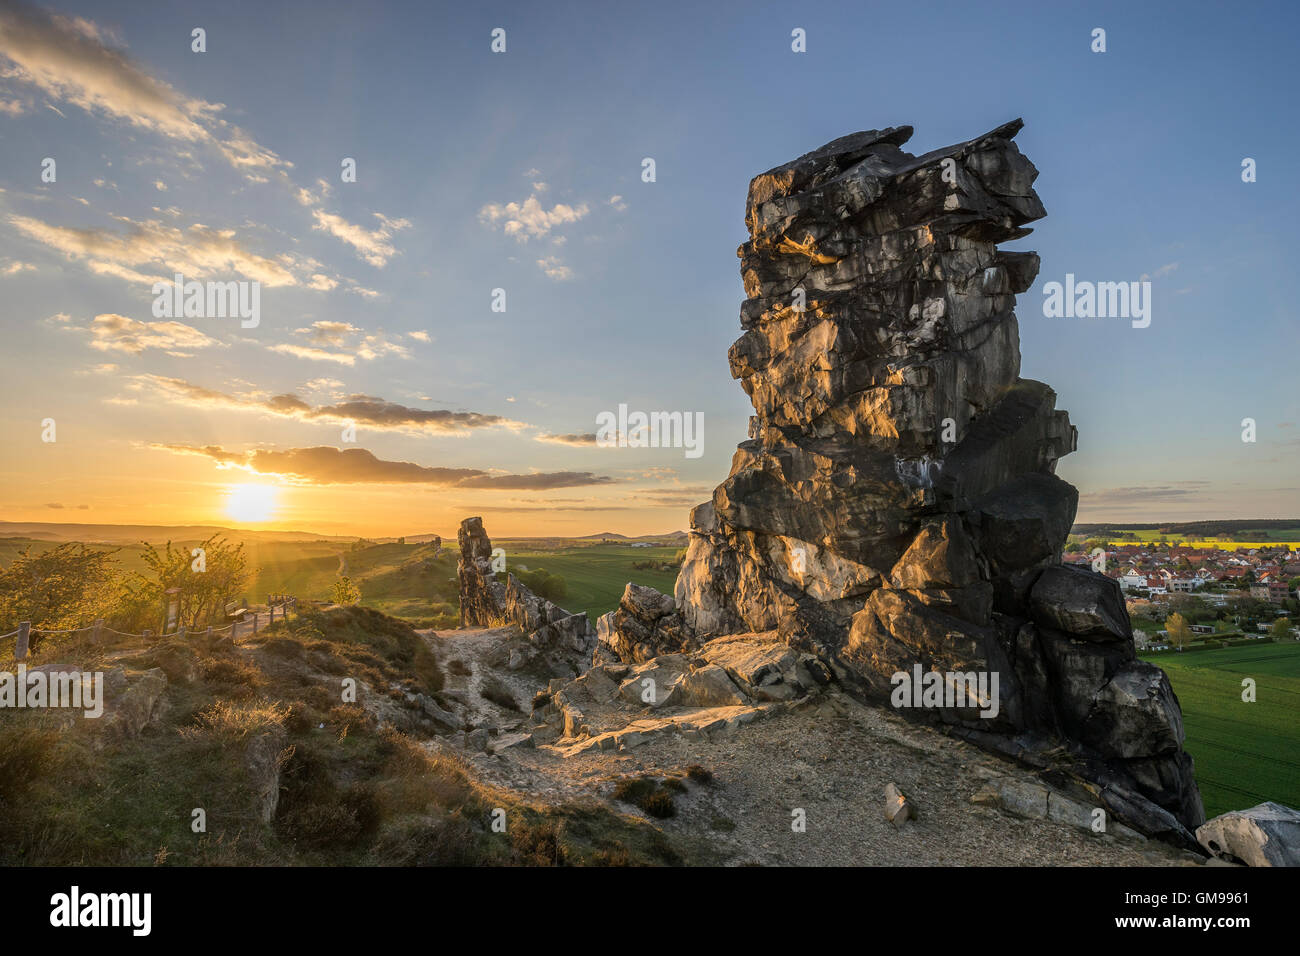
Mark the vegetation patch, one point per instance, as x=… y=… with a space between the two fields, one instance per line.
x=263 y=719
x=653 y=796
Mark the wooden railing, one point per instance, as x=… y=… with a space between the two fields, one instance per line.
x=245 y=618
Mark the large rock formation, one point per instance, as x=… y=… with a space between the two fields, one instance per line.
x=563 y=642
x=895 y=508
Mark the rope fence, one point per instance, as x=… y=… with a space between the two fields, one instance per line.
x=245 y=617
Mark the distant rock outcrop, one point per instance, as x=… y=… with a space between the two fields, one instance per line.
x=895 y=508
x=482 y=596
x=554 y=634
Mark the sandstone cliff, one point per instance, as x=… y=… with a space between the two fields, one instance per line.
x=894 y=509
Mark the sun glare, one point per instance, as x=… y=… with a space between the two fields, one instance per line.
x=251 y=502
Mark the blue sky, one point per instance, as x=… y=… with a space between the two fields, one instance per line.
x=629 y=300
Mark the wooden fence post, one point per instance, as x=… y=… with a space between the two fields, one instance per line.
x=180 y=633
x=24 y=634
x=255 y=624
x=97 y=633
x=207 y=636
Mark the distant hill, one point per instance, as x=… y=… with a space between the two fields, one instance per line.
x=613 y=536
x=134 y=533
x=1252 y=529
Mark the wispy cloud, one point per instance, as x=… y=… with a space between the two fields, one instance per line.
x=1168 y=268
x=555 y=269
x=571 y=439
x=1143 y=494
x=364 y=410
x=118 y=333
x=373 y=245
x=70 y=61
x=313 y=354
x=355 y=344
x=195 y=252
x=324 y=465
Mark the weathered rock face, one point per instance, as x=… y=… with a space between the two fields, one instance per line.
x=481 y=594
x=553 y=634
x=643 y=626
x=895 y=504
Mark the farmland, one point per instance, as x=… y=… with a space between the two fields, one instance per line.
x=596 y=574
x=413 y=581
x=1245 y=753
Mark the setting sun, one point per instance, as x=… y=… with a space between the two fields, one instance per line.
x=251 y=502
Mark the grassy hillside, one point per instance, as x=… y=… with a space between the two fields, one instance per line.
x=358 y=783
x=1245 y=753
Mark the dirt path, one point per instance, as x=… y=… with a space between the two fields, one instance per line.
x=829 y=757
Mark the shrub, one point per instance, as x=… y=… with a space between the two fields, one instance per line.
x=497 y=692
x=233 y=675
x=537 y=844
x=345 y=591
x=232 y=721
x=27 y=751
x=659 y=804
x=634 y=789
x=654 y=798
x=699 y=774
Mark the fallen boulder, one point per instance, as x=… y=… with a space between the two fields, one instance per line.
x=1265 y=835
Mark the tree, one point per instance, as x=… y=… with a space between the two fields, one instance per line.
x=1141 y=608
x=1073 y=547
x=345 y=592
x=207 y=581
x=1281 y=629
x=66 y=587
x=1180 y=634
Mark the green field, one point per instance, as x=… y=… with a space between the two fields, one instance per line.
x=1228 y=535
x=407 y=580
x=1245 y=753
x=596 y=574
